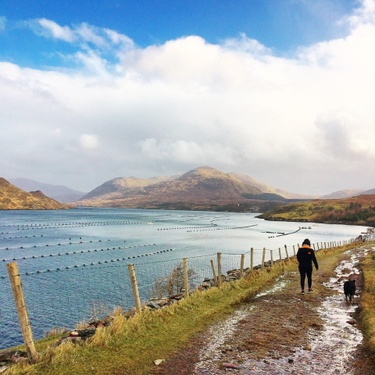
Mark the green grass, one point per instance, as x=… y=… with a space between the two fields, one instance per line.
x=367 y=315
x=129 y=346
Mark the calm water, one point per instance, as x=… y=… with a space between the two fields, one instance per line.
x=73 y=263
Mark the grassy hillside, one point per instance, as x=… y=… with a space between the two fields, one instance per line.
x=13 y=198
x=358 y=210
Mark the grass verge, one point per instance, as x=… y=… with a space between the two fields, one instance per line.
x=367 y=315
x=129 y=346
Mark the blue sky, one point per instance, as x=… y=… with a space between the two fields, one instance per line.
x=277 y=89
x=281 y=25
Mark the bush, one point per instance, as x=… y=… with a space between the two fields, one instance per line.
x=173 y=283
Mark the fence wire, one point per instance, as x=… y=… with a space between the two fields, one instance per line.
x=63 y=297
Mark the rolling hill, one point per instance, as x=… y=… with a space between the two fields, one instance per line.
x=358 y=210
x=203 y=188
x=14 y=198
x=60 y=193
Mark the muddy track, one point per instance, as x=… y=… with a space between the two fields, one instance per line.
x=283 y=332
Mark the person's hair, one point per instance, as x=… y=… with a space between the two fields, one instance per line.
x=306 y=242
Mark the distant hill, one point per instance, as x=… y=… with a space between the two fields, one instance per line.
x=121 y=186
x=14 y=198
x=368 y=192
x=203 y=188
x=61 y=193
x=343 y=194
x=359 y=210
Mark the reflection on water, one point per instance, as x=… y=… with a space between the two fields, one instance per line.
x=75 y=261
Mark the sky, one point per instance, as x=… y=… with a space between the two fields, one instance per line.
x=280 y=90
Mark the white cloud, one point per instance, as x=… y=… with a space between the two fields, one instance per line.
x=53 y=30
x=98 y=49
x=290 y=122
x=89 y=141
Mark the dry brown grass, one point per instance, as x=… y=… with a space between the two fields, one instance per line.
x=129 y=346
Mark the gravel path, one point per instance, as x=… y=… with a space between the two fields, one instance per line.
x=282 y=332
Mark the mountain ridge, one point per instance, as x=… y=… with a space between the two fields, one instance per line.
x=60 y=193
x=200 y=188
x=14 y=198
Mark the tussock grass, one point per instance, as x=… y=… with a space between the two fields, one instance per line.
x=367 y=314
x=130 y=345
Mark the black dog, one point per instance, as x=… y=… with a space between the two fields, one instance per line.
x=349 y=289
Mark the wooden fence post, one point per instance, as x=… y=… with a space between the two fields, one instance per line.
x=280 y=254
x=294 y=250
x=271 y=256
x=214 y=272
x=219 y=269
x=251 y=259
x=133 y=281
x=242 y=265
x=186 y=276
x=286 y=252
x=263 y=257
x=23 y=317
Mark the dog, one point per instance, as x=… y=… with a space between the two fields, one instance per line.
x=349 y=289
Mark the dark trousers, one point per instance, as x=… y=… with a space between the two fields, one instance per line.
x=305 y=271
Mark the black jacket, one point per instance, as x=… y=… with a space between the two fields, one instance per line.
x=306 y=256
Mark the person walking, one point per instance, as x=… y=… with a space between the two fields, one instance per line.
x=306 y=257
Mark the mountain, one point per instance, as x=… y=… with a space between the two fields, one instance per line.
x=358 y=210
x=368 y=192
x=343 y=194
x=203 y=188
x=119 y=186
x=61 y=193
x=14 y=198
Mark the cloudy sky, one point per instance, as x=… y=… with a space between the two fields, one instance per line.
x=281 y=90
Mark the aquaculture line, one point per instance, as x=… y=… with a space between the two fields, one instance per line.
x=64 y=297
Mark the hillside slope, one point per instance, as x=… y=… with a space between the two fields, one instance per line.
x=203 y=188
x=359 y=210
x=13 y=198
x=60 y=193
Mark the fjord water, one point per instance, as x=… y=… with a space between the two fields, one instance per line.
x=69 y=258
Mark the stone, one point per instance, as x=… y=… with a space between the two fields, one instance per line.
x=153 y=305
x=231 y=365
x=157 y=362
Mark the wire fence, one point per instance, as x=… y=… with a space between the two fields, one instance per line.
x=63 y=297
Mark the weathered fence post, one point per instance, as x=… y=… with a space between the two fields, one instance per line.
x=263 y=257
x=294 y=250
x=133 y=281
x=186 y=276
x=242 y=265
x=286 y=252
x=271 y=256
x=251 y=259
x=23 y=317
x=219 y=269
x=213 y=271
x=280 y=254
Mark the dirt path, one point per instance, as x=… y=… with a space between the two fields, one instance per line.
x=284 y=332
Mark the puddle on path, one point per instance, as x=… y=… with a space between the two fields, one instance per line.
x=331 y=349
